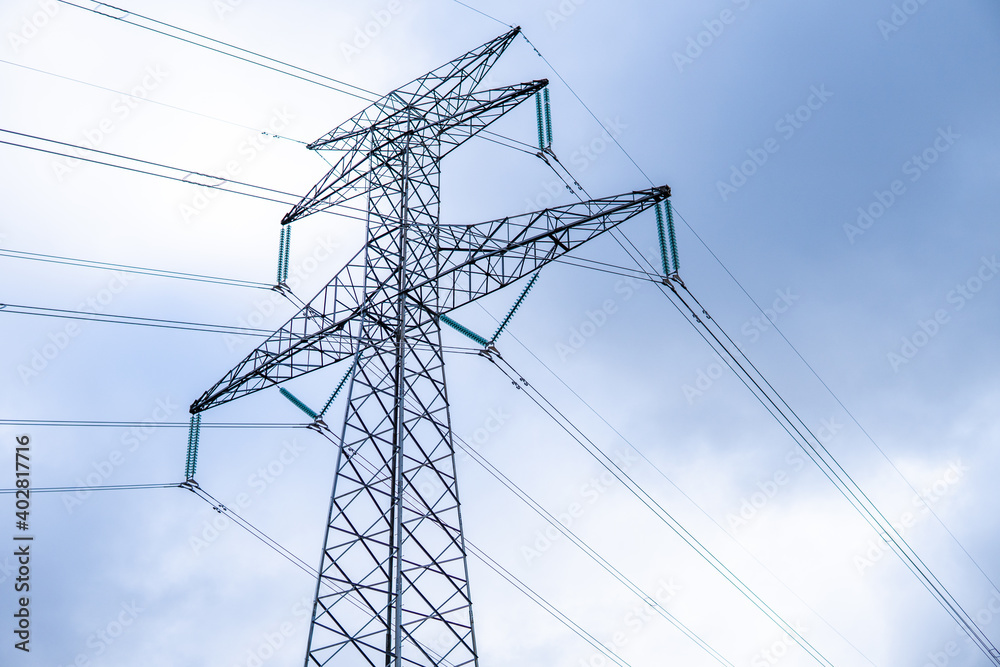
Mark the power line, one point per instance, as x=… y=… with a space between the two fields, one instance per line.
x=844 y=482
x=994 y=654
x=850 y=414
x=152 y=101
x=282 y=551
x=76 y=423
x=652 y=504
x=678 y=488
x=492 y=18
x=174 y=173
x=163 y=273
x=77 y=489
x=824 y=460
x=544 y=604
x=822 y=457
x=957 y=613
x=524 y=497
x=132 y=320
x=848 y=488
x=163 y=28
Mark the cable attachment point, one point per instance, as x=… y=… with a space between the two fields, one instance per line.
x=318 y=425
x=190 y=485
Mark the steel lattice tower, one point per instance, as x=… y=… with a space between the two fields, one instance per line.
x=394 y=586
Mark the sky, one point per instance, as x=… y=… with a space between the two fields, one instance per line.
x=834 y=170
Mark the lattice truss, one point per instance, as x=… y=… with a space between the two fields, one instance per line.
x=393 y=586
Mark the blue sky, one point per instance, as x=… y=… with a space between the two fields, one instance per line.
x=838 y=160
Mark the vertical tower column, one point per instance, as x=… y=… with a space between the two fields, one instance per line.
x=394 y=585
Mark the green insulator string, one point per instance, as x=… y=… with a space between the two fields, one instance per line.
x=548 y=118
x=297 y=403
x=287 y=252
x=340 y=385
x=281 y=254
x=661 y=232
x=673 y=237
x=513 y=309
x=194 y=434
x=541 y=127
x=469 y=333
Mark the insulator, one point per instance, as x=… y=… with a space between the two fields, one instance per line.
x=513 y=309
x=281 y=253
x=297 y=403
x=541 y=127
x=288 y=248
x=661 y=232
x=340 y=385
x=469 y=333
x=673 y=237
x=194 y=435
x=548 y=118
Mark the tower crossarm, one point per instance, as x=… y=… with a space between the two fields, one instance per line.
x=325 y=331
x=481 y=258
x=451 y=121
x=475 y=260
x=443 y=92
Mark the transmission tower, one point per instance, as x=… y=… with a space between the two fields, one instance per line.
x=393 y=587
